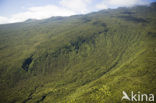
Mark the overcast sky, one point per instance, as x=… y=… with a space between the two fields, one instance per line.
x=20 y=10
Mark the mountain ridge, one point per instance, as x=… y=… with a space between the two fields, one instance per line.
x=79 y=59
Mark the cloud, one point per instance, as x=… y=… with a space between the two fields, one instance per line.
x=40 y=12
x=79 y=6
x=67 y=8
x=64 y=8
x=105 y=4
x=3 y=20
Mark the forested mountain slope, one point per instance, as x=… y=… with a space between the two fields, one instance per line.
x=79 y=59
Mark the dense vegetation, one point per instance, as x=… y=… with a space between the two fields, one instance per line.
x=79 y=59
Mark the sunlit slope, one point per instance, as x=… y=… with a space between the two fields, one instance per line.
x=79 y=59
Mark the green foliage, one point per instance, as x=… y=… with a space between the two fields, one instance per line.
x=79 y=59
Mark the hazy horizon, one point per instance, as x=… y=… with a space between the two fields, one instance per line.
x=19 y=11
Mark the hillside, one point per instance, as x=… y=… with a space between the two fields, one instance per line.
x=88 y=58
